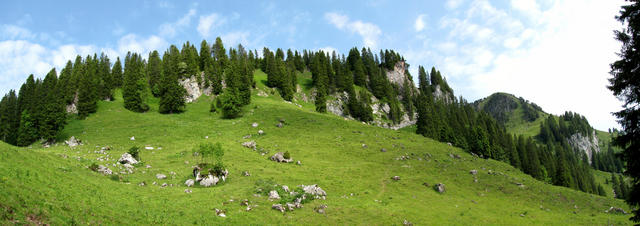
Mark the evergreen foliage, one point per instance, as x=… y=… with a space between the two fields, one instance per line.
x=135 y=86
x=625 y=85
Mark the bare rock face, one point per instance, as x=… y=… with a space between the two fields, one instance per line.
x=587 y=144
x=315 y=191
x=126 y=158
x=193 y=88
x=73 y=107
x=337 y=106
x=72 y=142
x=209 y=181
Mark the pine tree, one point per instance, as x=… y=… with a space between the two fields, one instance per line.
x=65 y=84
x=27 y=133
x=422 y=78
x=116 y=73
x=172 y=97
x=53 y=115
x=205 y=55
x=87 y=95
x=135 y=86
x=154 y=72
x=625 y=85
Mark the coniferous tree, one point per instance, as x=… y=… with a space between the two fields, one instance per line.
x=625 y=85
x=53 y=115
x=116 y=73
x=135 y=88
x=154 y=72
x=65 y=84
x=9 y=118
x=27 y=133
x=172 y=96
x=87 y=96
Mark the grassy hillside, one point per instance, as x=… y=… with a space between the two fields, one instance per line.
x=53 y=185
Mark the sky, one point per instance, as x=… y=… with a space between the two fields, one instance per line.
x=555 y=53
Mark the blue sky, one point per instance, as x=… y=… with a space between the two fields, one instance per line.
x=555 y=53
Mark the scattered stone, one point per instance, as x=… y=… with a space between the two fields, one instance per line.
x=320 y=209
x=475 y=180
x=260 y=132
x=439 y=188
x=142 y=184
x=209 y=181
x=206 y=137
x=187 y=191
x=280 y=125
x=383 y=150
x=314 y=190
x=473 y=172
x=273 y=195
x=104 y=170
x=127 y=158
x=425 y=184
x=221 y=213
x=522 y=186
x=615 y=210
x=403 y=158
x=148 y=148
x=164 y=185
x=132 y=138
x=246 y=136
x=189 y=182
x=285 y=188
x=449 y=144
x=279 y=157
x=522 y=214
x=254 y=125
x=246 y=173
x=396 y=178
x=244 y=202
x=250 y=144
x=154 y=183
x=364 y=146
x=407 y=223
x=278 y=207
x=148 y=166
x=72 y=142
x=454 y=156
x=161 y=176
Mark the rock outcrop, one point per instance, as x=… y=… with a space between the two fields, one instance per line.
x=193 y=88
x=126 y=158
x=279 y=157
x=587 y=144
x=72 y=108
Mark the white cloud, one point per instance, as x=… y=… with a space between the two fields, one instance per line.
x=19 y=58
x=419 y=24
x=208 y=22
x=557 y=56
x=328 y=49
x=135 y=44
x=232 y=39
x=369 y=32
x=453 y=4
x=170 y=29
x=12 y=32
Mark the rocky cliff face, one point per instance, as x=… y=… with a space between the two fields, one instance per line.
x=587 y=144
x=193 y=88
x=73 y=107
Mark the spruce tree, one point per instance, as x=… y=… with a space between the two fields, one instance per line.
x=154 y=72
x=53 y=115
x=27 y=133
x=116 y=73
x=205 y=55
x=625 y=85
x=87 y=103
x=134 y=86
x=172 y=97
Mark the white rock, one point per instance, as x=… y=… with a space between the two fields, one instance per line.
x=189 y=183
x=274 y=195
x=161 y=176
x=132 y=138
x=127 y=158
x=260 y=132
x=254 y=125
x=148 y=148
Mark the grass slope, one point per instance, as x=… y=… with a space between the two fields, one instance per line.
x=53 y=185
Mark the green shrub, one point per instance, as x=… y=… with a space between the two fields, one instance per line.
x=114 y=177
x=94 y=167
x=135 y=152
x=287 y=155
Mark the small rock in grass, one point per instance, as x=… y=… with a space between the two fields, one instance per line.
x=383 y=150
x=396 y=178
x=187 y=191
x=278 y=207
x=161 y=176
x=189 y=182
x=254 y=125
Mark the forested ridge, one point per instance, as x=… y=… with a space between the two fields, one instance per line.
x=38 y=111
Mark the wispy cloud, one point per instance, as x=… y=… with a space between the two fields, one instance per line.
x=419 y=24
x=209 y=22
x=369 y=32
x=170 y=29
